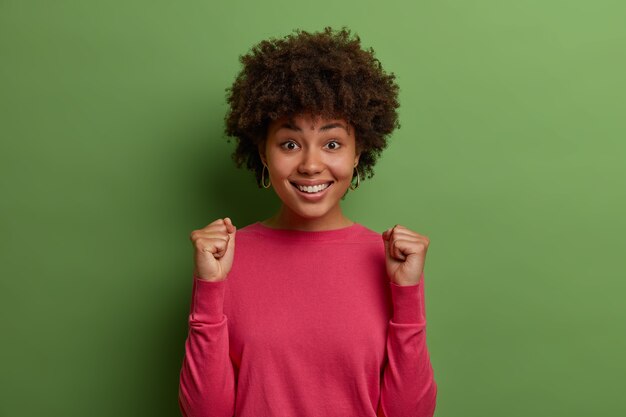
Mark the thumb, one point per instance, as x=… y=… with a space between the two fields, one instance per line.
x=232 y=231
x=230 y=227
x=386 y=241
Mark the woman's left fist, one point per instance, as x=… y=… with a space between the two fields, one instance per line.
x=405 y=253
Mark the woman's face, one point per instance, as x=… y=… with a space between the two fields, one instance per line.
x=308 y=150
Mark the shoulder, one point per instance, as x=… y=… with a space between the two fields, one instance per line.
x=367 y=235
x=249 y=230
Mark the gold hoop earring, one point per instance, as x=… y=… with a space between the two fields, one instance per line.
x=263 y=178
x=358 y=179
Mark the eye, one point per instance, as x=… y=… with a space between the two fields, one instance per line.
x=289 y=142
x=337 y=144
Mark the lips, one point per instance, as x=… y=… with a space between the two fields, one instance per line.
x=310 y=184
x=313 y=195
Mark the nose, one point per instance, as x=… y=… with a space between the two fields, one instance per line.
x=311 y=162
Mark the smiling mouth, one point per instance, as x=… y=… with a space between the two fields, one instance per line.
x=313 y=192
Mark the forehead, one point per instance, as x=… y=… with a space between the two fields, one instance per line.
x=309 y=122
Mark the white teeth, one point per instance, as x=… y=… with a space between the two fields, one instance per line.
x=313 y=189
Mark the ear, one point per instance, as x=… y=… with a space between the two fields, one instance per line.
x=261 y=149
x=358 y=151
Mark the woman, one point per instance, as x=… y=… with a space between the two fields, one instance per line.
x=315 y=315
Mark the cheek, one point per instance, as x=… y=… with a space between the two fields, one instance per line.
x=343 y=170
x=280 y=168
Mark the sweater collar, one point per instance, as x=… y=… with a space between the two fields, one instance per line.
x=317 y=235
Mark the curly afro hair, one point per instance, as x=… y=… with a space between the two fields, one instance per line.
x=323 y=73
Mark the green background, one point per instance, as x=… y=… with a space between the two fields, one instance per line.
x=511 y=158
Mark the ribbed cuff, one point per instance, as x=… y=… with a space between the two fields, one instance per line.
x=407 y=303
x=208 y=300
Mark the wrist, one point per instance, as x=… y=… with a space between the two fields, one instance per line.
x=209 y=279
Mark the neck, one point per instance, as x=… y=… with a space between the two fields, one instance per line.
x=286 y=219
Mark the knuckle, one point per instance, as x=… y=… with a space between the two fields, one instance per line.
x=199 y=243
x=219 y=227
x=217 y=223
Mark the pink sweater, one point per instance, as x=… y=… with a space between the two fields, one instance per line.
x=307 y=323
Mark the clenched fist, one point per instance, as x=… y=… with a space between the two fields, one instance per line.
x=214 y=249
x=405 y=253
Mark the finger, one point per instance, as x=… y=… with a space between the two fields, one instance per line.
x=221 y=227
x=396 y=227
x=415 y=238
x=408 y=247
x=403 y=231
x=389 y=251
x=217 y=224
x=215 y=246
x=210 y=231
x=208 y=234
x=387 y=233
x=409 y=237
x=396 y=250
x=229 y=224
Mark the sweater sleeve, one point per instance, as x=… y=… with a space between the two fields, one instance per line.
x=408 y=384
x=207 y=378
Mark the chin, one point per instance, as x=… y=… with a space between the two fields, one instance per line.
x=310 y=213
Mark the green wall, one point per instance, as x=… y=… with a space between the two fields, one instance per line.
x=511 y=159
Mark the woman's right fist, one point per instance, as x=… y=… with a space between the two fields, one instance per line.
x=214 y=249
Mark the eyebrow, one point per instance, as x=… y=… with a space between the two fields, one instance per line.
x=292 y=126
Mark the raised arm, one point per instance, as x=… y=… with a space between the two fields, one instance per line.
x=207 y=378
x=408 y=387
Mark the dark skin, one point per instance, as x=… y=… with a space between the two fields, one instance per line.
x=305 y=149
x=308 y=148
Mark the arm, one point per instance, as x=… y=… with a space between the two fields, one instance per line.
x=207 y=379
x=408 y=384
